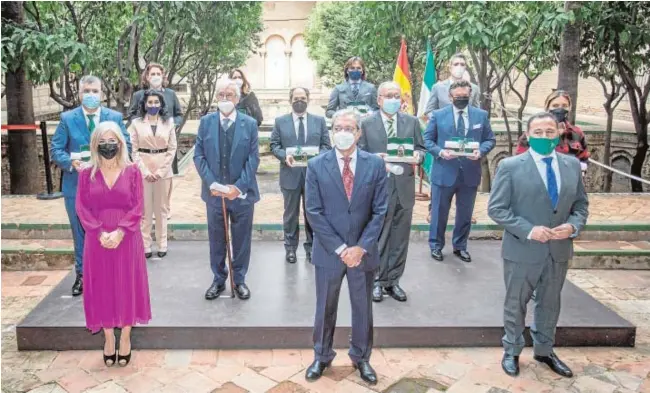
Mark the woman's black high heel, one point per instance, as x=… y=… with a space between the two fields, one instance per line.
x=109 y=360
x=123 y=361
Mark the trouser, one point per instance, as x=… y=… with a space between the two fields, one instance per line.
x=328 y=288
x=78 y=234
x=394 y=242
x=522 y=279
x=155 y=204
x=290 y=218
x=241 y=231
x=441 y=197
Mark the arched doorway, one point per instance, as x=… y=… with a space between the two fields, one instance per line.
x=276 y=63
x=302 y=68
x=621 y=183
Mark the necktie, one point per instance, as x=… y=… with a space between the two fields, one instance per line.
x=551 y=181
x=460 y=127
x=225 y=124
x=301 y=131
x=355 y=90
x=348 y=177
x=391 y=127
x=91 y=123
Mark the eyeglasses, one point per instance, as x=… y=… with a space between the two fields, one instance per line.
x=397 y=96
x=228 y=96
x=346 y=129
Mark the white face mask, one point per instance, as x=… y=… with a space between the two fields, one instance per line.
x=343 y=140
x=155 y=81
x=239 y=82
x=457 y=71
x=225 y=107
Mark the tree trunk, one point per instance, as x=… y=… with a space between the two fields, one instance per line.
x=607 y=159
x=569 y=67
x=639 y=157
x=505 y=119
x=22 y=149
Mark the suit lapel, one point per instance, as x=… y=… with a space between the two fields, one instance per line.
x=311 y=128
x=359 y=173
x=564 y=177
x=291 y=128
x=238 y=130
x=217 y=127
x=531 y=167
x=450 y=117
x=80 y=119
x=401 y=126
x=335 y=172
x=103 y=115
x=470 y=124
x=379 y=125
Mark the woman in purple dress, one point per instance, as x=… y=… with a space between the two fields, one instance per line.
x=110 y=206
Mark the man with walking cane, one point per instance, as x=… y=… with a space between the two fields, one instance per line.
x=226 y=156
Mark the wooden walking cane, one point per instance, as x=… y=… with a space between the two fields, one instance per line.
x=226 y=229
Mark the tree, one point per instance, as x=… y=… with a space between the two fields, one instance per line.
x=23 y=156
x=569 y=68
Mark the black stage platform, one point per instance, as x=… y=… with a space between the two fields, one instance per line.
x=450 y=304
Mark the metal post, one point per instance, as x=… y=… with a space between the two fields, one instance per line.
x=50 y=194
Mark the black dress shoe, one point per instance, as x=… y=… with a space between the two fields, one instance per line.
x=555 y=364
x=463 y=255
x=148 y=255
x=436 y=254
x=396 y=293
x=315 y=371
x=291 y=256
x=242 y=291
x=214 y=291
x=161 y=254
x=366 y=372
x=510 y=364
x=78 y=286
x=377 y=293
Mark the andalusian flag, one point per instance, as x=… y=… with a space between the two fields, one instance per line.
x=428 y=80
x=402 y=77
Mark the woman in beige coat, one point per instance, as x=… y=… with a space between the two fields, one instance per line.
x=154 y=147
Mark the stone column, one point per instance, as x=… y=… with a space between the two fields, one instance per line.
x=287 y=81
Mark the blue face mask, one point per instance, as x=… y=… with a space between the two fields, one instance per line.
x=391 y=105
x=355 y=75
x=153 y=110
x=90 y=101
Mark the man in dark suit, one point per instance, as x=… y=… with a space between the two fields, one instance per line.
x=541 y=217
x=71 y=148
x=346 y=204
x=455 y=176
x=394 y=237
x=298 y=128
x=226 y=156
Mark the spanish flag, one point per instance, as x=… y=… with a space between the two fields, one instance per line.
x=402 y=77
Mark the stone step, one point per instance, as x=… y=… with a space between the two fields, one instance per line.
x=55 y=254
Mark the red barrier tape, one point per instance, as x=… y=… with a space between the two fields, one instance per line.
x=15 y=127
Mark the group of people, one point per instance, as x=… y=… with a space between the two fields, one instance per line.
x=357 y=207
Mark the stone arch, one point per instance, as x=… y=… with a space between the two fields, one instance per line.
x=621 y=160
x=275 y=63
x=494 y=164
x=302 y=67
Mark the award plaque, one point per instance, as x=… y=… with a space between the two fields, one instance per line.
x=361 y=108
x=461 y=147
x=82 y=155
x=302 y=153
x=400 y=150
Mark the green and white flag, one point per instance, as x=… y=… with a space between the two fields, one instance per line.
x=83 y=155
x=400 y=147
x=428 y=80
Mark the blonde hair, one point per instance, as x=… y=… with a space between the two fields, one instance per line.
x=96 y=159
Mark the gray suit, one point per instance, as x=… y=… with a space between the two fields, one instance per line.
x=342 y=95
x=394 y=237
x=292 y=180
x=440 y=96
x=531 y=266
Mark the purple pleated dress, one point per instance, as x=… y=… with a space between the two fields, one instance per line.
x=116 y=287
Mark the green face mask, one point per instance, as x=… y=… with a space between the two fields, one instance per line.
x=543 y=146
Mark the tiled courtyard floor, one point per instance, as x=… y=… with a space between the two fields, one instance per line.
x=414 y=370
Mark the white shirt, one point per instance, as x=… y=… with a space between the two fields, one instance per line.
x=97 y=114
x=385 y=119
x=353 y=168
x=296 y=124
x=465 y=117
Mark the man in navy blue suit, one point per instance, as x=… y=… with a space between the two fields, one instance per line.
x=346 y=202
x=452 y=175
x=226 y=155
x=71 y=148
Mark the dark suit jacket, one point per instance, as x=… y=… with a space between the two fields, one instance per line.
x=342 y=96
x=249 y=105
x=375 y=140
x=244 y=157
x=171 y=101
x=337 y=221
x=442 y=128
x=285 y=135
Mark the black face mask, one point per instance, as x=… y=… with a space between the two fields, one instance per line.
x=108 y=150
x=461 y=102
x=560 y=114
x=299 y=106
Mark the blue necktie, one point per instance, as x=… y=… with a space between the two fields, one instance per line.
x=460 y=127
x=355 y=90
x=551 y=181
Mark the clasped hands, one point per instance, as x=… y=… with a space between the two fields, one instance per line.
x=352 y=256
x=152 y=177
x=543 y=234
x=111 y=239
x=232 y=193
